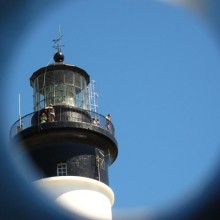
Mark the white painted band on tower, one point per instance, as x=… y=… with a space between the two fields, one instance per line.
x=84 y=196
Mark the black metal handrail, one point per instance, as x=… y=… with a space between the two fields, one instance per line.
x=62 y=114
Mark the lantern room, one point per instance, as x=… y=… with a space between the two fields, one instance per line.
x=60 y=84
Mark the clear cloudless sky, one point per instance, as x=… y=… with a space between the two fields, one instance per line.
x=156 y=68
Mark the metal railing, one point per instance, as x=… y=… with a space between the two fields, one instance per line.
x=62 y=114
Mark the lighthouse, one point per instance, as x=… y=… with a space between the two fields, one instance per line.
x=71 y=145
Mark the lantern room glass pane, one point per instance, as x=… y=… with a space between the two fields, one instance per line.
x=41 y=81
x=69 y=77
x=78 y=81
x=49 y=78
x=69 y=99
x=59 y=97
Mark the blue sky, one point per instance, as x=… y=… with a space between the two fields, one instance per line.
x=157 y=72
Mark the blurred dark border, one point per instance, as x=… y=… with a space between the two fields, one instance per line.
x=18 y=199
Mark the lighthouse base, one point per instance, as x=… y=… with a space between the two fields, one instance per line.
x=83 y=196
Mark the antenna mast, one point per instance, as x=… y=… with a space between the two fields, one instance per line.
x=19 y=108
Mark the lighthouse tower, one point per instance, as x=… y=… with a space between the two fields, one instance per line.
x=71 y=146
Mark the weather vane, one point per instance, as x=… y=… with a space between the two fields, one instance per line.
x=57 y=41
